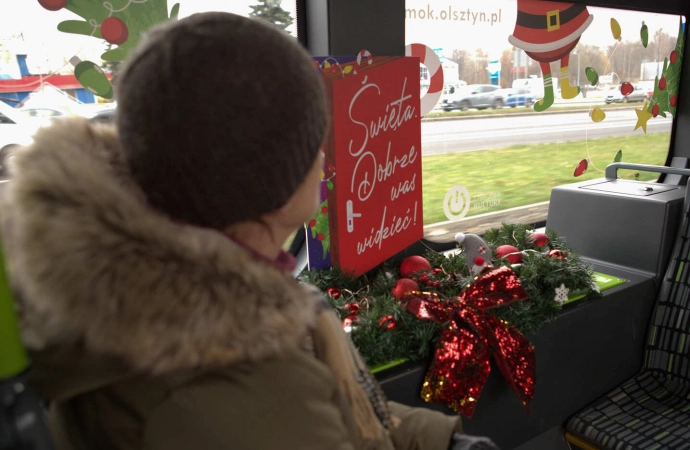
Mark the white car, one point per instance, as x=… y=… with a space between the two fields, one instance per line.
x=15 y=130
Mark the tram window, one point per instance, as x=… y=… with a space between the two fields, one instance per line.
x=497 y=155
x=29 y=29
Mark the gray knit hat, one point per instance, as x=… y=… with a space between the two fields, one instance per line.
x=221 y=117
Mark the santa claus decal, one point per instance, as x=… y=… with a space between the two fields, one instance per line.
x=548 y=32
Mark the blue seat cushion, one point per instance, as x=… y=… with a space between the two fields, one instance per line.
x=649 y=411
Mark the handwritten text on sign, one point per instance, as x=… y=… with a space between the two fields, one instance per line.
x=377 y=155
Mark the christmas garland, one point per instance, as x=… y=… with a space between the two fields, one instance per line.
x=385 y=331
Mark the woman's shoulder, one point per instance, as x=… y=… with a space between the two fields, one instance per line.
x=253 y=404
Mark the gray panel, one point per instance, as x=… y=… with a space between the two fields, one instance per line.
x=608 y=221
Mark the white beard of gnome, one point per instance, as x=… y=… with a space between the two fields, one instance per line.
x=477 y=251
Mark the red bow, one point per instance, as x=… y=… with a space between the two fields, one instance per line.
x=461 y=362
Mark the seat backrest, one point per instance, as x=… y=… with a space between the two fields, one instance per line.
x=668 y=343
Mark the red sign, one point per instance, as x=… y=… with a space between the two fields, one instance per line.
x=375 y=147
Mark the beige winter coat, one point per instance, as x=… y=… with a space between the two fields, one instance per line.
x=147 y=334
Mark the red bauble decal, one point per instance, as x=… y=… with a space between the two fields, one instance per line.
x=403 y=287
x=627 y=88
x=674 y=57
x=114 y=30
x=674 y=100
x=655 y=110
x=662 y=83
x=413 y=264
x=53 y=5
x=581 y=168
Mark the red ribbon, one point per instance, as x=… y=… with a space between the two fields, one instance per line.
x=461 y=363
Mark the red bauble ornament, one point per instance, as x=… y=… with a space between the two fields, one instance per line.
x=387 y=322
x=581 y=168
x=674 y=57
x=53 y=5
x=320 y=236
x=403 y=287
x=662 y=83
x=312 y=223
x=324 y=210
x=627 y=88
x=114 y=30
x=333 y=292
x=558 y=254
x=655 y=110
x=538 y=239
x=509 y=252
x=478 y=261
x=413 y=264
x=674 y=100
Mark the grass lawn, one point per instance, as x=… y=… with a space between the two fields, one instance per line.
x=520 y=175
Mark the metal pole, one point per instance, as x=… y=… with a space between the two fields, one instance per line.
x=578 y=69
x=658 y=52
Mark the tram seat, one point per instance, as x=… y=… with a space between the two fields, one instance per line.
x=652 y=409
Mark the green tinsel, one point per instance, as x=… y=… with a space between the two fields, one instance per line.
x=413 y=339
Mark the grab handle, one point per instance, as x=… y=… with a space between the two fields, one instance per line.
x=612 y=169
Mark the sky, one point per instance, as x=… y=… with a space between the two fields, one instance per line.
x=42 y=40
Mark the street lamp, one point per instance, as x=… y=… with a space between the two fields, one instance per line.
x=658 y=51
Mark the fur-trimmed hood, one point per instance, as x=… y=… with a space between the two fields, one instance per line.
x=94 y=267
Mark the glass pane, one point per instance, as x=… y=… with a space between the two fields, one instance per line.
x=573 y=95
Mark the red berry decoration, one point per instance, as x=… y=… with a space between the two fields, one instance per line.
x=673 y=57
x=320 y=237
x=349 y=321
x=558 y=254
x=662 y=83
x=627 y=88
x=312 y=223
x=333 y=292
x=413 y=264
x=53 y=5
x=674 y=100
x=655 y=110
x=387 y=322
x=114 y=30
x=437 y=270
x=403 y=287
x=509 y=252
x=352 y=307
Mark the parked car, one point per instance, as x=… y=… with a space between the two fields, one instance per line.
x=43 y=113
x=106 y=115
x=638 y=94
x=15 y=130
x=480 y=96
x=520 y=97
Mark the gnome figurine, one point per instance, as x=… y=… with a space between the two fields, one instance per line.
x=477 y=251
